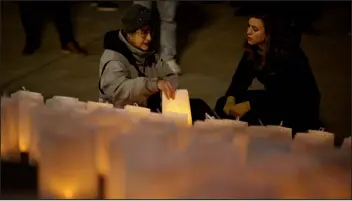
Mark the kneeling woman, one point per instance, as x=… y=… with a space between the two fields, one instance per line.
x=131 y=73
x=273 y=56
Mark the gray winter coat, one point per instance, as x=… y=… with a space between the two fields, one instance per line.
x=129 y=75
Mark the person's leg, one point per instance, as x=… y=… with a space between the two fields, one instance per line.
x=167 y=12
x=107 y=6
x=32 y=22
x=62 y=18
x=147 y=4
x=219 y=108
x=199 y=108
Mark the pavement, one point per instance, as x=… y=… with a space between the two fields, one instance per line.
x=210 y=42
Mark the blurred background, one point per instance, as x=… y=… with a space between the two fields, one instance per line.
x=209 y=40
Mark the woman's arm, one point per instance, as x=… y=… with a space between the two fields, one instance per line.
x=116 y=83
x=242 y=79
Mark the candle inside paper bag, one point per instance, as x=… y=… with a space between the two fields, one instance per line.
x=25 y=102
x=177 y=118
x=44 y=120
x=68 y=167
x=95 y=105
x=115 y=185
x=179 y=105
x=9 y=135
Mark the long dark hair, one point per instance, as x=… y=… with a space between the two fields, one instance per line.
x=282 y=38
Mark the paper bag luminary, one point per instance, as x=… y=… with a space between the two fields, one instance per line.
x=96 y=105
x=136 y=111
x=180 y=105
x=65 y=102
x=68 y=167
x=9 y=136
x=109 y=124
x=44 y=119
x=313 y=141
x=25 y=102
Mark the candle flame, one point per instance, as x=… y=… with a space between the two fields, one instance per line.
x=68 y=194
x=23 y=145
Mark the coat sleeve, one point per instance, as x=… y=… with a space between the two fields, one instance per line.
x=241 y=80
x=115 y=83
x=165 y=72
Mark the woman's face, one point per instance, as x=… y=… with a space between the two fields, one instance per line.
x=256 y=32
x=141 y=38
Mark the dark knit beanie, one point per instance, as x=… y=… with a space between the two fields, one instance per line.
x=135 y=18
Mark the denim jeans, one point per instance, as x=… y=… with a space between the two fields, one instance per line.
x=167 y=12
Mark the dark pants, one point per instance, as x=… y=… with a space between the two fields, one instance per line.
x=198 y=107
x=33 y=15
x=263 y=113
x=268 y=113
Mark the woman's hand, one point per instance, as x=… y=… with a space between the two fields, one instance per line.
x=240 y=109
x=230 y=102
x=167 y=87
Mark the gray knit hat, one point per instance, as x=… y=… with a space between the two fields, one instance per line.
x=135 y=18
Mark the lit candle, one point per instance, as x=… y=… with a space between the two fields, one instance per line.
x=9 y=135
x=179 y=105
x=177 y=118
x=95 y=105
x=25 y=102
x=68 y=167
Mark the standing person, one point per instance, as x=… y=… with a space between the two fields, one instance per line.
x=273 y=56
x=32 y=17
x=167 y=12
x=130 y=72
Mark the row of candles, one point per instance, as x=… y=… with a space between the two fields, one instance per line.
x=149 y=155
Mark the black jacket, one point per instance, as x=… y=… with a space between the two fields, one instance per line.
x=291 y=88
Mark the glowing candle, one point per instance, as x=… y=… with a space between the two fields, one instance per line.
x=68 y=167
x=25 y=102
x=178 y=105
x=9 y=135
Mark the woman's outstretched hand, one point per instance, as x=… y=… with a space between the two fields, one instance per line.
x=167 y=87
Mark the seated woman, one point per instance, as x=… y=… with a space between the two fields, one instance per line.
x=132 y=73
x=273 y=56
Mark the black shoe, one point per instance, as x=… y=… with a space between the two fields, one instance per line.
x=107 y=6
x=29 y=49
x=74 y=48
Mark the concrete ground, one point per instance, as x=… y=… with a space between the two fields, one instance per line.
x=209 y=57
